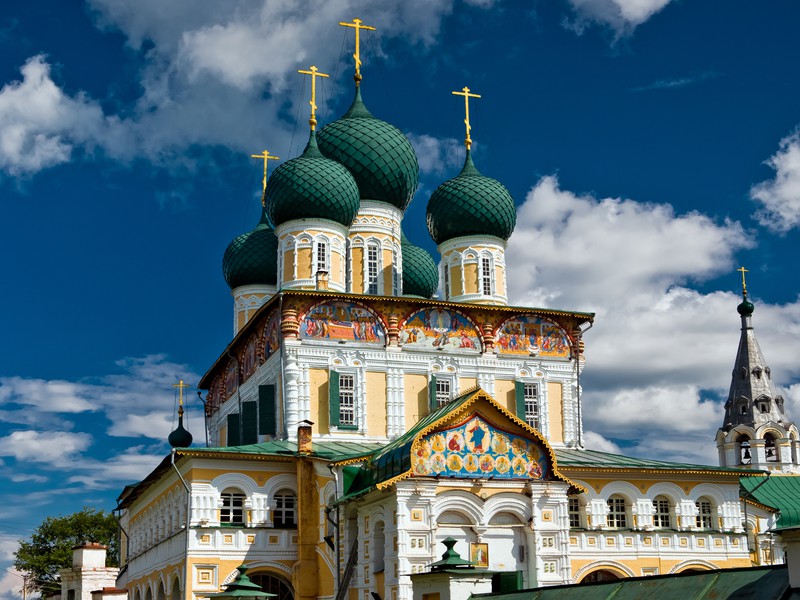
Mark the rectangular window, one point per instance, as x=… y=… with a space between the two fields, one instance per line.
x=442 y=391
x=531 y=393
x=347 y=400
x=617 y=518
x=446 y=286
x=486 y=275
x=322 y=257
x=397 y=281
x=661 y=518
x=285 y=510
x=703 y=514
x=232 y=508
x=574 y=513
x=372 y=269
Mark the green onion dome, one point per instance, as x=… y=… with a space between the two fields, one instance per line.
x=379 y=156
x=746 y=308
x=252 y=258
x=470 y=204
x=312 y=187
x=420 y=275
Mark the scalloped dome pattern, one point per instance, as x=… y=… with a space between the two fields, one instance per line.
x=379 y=156
x=471 y=204
x=420 y=275
x=312 y=187
x=252 y=258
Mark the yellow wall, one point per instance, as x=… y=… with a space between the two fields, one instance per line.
x=415 y=390
x=357 y=265
x=466 y=383
x=455 y=281
x=499 y=281
x=387 y=273
x=376 y=403
x=335 y=275
x=505 y=394
x=471 y=278
x=288 y=266
x=318 y=385
x=556 y=421
x=304 y=263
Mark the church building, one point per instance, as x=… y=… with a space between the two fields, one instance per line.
x=374 y=402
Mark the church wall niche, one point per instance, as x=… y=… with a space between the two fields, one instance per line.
x=376 y=403
x=415 y=390
x=555 y=424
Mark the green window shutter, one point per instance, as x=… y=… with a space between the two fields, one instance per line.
x=233 y=430
x=432 y=393
x=333 y=397
x=519 y=390
x=249 y=422
x=267 y=423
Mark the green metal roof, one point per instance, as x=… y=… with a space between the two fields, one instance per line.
x=420 y=274
x=333 y=451
x=252 y=257
x=594 y=459
x=379 y=156
x=312 y=187
x=778 y=491
x=471 y=204
x=747 y=583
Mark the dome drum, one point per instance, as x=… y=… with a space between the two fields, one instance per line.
x=309 y=247
x=473 y=270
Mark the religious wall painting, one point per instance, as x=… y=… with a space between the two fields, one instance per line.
x=476 y=448
x=271 y=337
x=249 y=360
x=342 y=321
x=231 y=378
x=529 y=335
x=479 y=554
x=440 y=329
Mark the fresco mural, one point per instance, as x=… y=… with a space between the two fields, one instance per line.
x=477 y=449
x=249 y=360
x=272 y=334
x=532 y=335
x=439 y=329
x=342 y=321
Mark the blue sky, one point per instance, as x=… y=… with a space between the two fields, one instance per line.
x=651 y=146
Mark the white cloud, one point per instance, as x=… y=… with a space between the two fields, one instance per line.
x=40 y=125
x=780 y=196
x=47 y=396
x=131 y=466
x=54 y=448
x=660 y=354
x=595 y=441
x=436 y=156
x=22 y=477
x=623 y=16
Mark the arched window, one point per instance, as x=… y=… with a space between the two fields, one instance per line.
x=661 y=515
x=272 y=584
x=373 y=268
x=232 y=511
x=285 y=514
x=617 y=515
x=745 y=458
x=769 y=448
x=486 y=275
x=321 y=262
x=446 y=284
x=705 y=513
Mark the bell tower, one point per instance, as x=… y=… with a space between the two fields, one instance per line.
x=756 y=432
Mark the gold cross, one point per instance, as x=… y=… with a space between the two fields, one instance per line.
x=742 y=270
x=181 y=386
x=314 y=74
x=467 y=95
x=356 y=24
x=267 y=157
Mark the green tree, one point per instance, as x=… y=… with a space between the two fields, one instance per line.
x=50 y=546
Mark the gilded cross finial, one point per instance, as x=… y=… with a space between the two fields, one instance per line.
x=314 y=72
x=467 y=95
x=181 y=386
x=742 y=270
x=357 y=25
x=267 y=157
